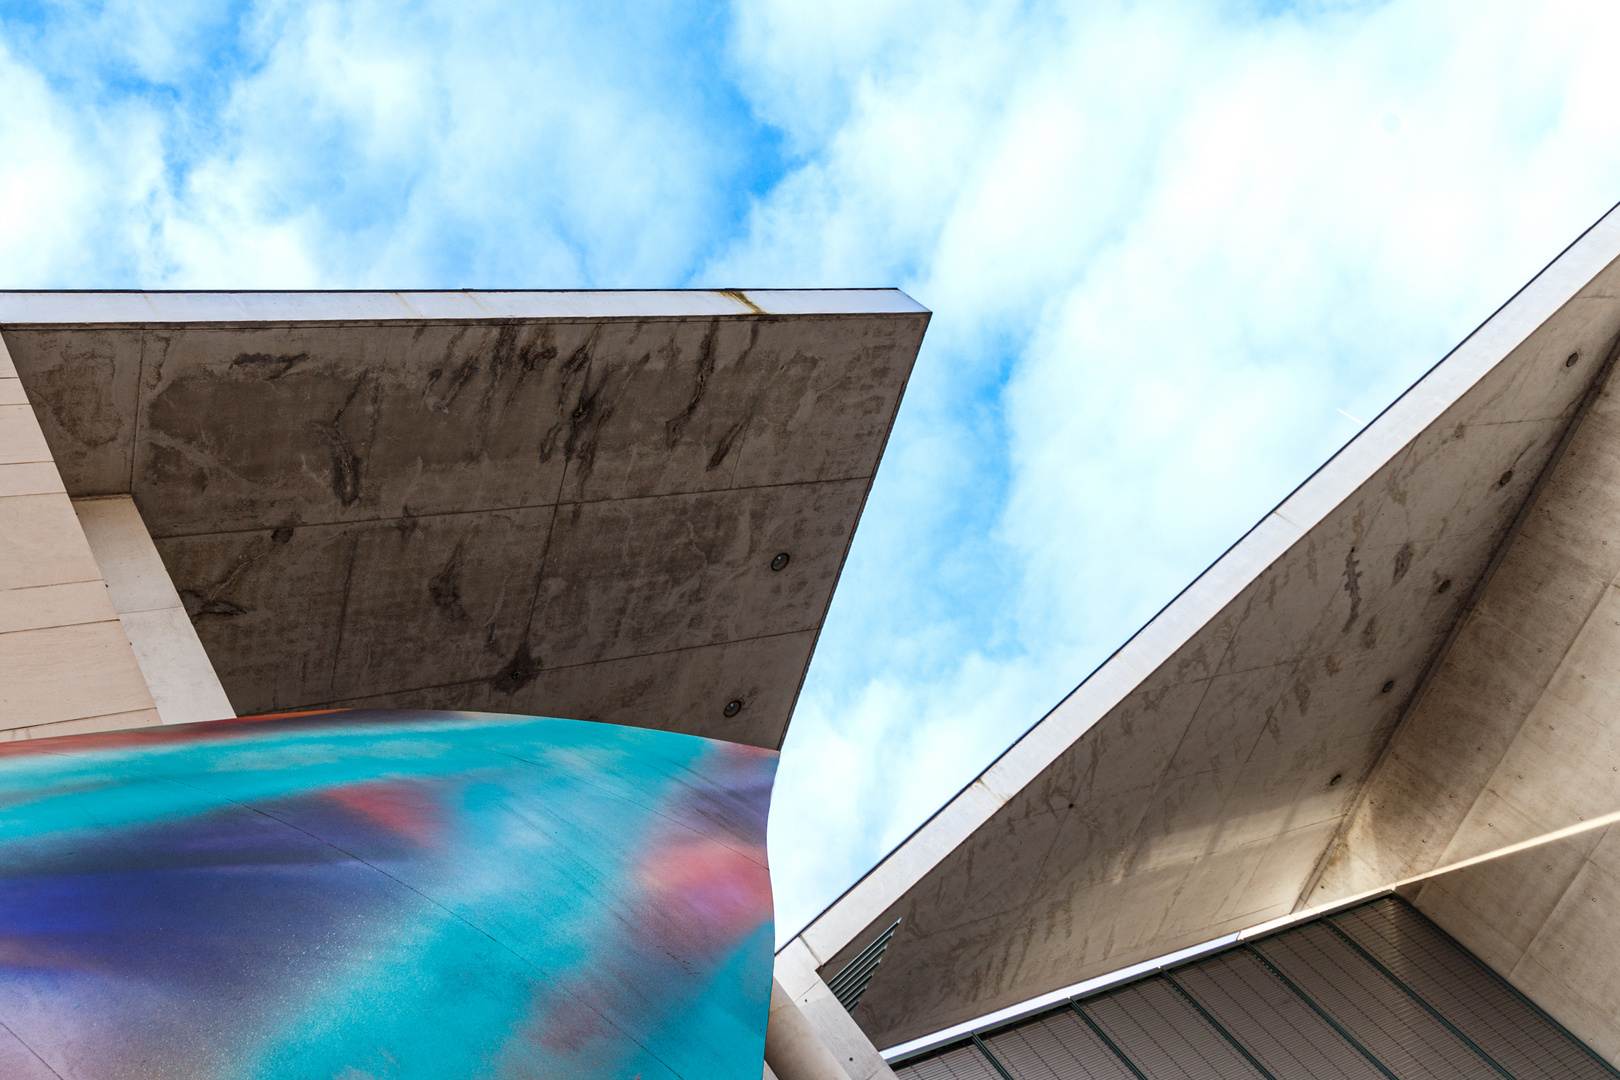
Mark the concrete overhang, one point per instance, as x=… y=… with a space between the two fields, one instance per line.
x=1194 y=785
x=559 y=503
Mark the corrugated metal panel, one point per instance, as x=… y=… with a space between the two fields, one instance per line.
x=1467 y=994
x=1410 y=1042
x=963 y=1063
x=1272 y=1022
x=1373 y=993
x=1056 y=1047
x=1165 y=1037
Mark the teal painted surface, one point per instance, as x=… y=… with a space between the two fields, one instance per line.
x=372 y=894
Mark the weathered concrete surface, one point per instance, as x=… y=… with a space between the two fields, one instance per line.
x=1192 y=785
x=173 y=662
x=569 y=509
x=824 y=1020
x=1519 y=736
x=793 y=1051
x=65 y=664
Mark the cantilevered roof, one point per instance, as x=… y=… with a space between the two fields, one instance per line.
x=561 y=503
x=1193 y=785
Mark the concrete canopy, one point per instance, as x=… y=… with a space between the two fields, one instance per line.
x=1200 y=780
x=557 y=503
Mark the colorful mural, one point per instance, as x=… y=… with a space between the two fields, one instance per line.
x=380 y=894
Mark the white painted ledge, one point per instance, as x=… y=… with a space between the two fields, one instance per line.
x=23 y=308
x=177 y=670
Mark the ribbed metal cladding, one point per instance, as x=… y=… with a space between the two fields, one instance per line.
x=1482 y=1008
x=1278 y=1027
x=1056 y=1047
x=1373 y=993
x=962 y=1063
x=1372 y=1009
x=1165 y=1037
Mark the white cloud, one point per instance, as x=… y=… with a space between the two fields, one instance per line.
x=369 y=143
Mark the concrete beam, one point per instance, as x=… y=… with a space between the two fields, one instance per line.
x=172 y=660
x=564 y=504
x=815 y=1038
x=793 y=1051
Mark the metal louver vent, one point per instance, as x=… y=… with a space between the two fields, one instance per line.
x=851 y=981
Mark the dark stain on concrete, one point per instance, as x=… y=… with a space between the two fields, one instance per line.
x=1352 y=585
x=705 y=368
x=519 y=671
x=345 y=462
x=199 y=606
x=78 y=391
x=724 y=447
x=266 y=366
x=577 y=422
x=210 y=600
x=1403 y=562
x=167 y=465
x=440 y=398
x=445 y=587
x=1369 y=633
x=511 y=354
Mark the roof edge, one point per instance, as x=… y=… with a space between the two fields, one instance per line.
x=54 y=308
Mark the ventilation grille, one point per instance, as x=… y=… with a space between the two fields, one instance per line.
x=851 y=981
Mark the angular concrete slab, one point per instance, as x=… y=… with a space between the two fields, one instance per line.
x=1194 y=784
x=561 y=503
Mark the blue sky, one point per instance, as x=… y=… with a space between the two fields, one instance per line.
x=1178 y=251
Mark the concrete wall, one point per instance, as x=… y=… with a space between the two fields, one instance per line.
x=1518 y=736
x=66 y=665
x=1548 y=920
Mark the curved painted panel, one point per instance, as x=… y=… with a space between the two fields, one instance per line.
x=379 y=894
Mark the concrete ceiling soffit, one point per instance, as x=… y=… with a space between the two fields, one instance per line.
x=562 y=503
x=1189 y=787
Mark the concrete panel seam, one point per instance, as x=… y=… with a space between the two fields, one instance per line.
x=487 y=511
x=1593 y=391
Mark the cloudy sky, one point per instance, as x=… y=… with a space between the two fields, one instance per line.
x=1178 y=251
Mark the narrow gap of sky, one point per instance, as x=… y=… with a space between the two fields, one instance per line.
x=1173 y=247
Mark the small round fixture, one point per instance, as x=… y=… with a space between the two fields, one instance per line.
x=1574 y=356
x=1444 y=585
x=733 y=707
x=1336 y=778
x=1388 y=687
x=1502 y=482
x=780 y=562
